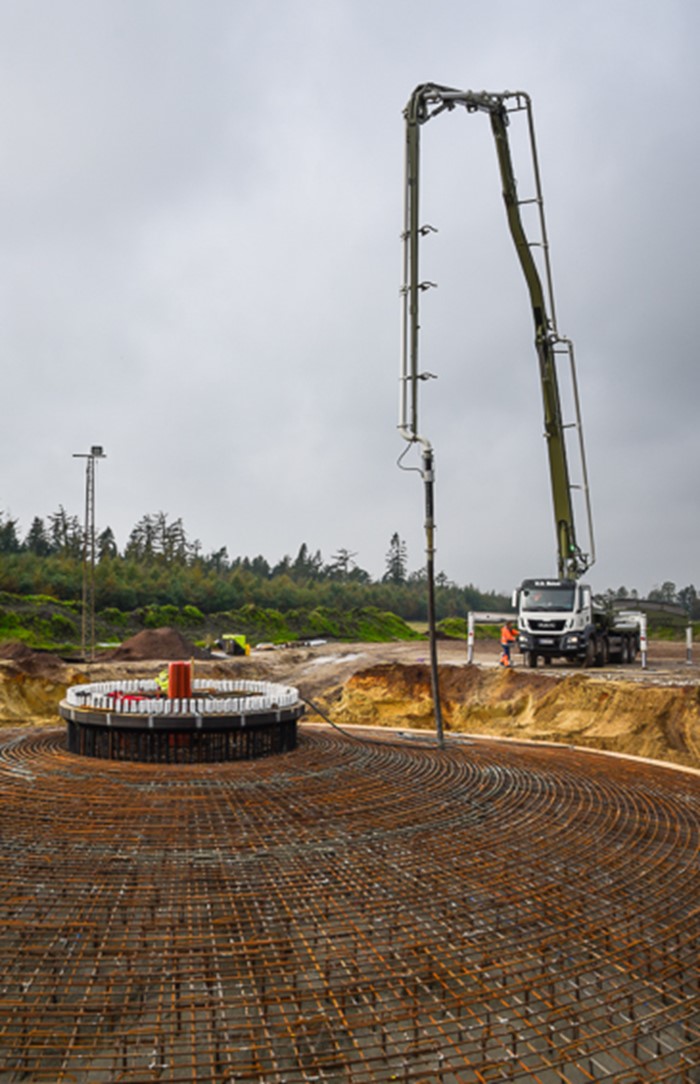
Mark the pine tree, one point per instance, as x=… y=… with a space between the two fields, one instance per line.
x=106 y=544
x=396 y=559
x=37 y=540
x=341 y=565
x=9 y=542
x=67 y=535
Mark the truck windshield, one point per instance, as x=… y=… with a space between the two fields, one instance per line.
x=548 y=598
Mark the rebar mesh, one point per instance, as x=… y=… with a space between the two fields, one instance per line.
x=173 y=744
x=348 y=912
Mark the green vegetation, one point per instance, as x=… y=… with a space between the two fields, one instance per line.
x=51 y=625
x=39 y=621
x=157 y=617
x=455 y=628
x=162 y=578
x=673 y=632
x=365 y=623
x=162 y=572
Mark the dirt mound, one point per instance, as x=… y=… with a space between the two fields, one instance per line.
x=31 y=684
x=661 y=723
x=457 y=683
x=36 y=663
x=165 y=643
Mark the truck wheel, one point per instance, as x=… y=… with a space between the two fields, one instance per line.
x=590 y=656
x=603 y=653
x=530 y=659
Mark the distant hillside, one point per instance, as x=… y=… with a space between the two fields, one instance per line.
x=46 y=623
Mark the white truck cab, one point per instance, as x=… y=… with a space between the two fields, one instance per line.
x=558 y=619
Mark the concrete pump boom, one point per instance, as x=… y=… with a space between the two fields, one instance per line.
x=427 y=101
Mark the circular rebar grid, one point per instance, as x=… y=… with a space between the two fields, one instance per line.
x=348 y=912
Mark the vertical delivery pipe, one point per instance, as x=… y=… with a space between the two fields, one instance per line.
x=408 y=403
x=428 y=479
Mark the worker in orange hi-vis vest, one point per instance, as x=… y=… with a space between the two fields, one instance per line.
x=508 y=636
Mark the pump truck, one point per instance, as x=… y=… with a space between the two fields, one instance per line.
x=557 y=617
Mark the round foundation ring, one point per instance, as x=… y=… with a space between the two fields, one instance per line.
x=222 y=720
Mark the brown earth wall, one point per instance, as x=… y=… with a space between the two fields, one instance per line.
x=657 y=722
x=653 y=713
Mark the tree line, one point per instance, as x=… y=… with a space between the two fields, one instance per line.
x=161 y=564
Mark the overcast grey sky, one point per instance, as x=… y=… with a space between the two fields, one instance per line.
x=200 y=210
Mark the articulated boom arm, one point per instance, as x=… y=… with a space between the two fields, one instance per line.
x=426 y=102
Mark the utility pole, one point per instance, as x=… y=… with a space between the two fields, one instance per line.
x=88 y=616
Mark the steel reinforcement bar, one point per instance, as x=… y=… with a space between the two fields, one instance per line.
x=216 y=697
x=348 y=912
x=128 y=721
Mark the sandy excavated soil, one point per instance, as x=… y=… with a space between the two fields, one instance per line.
x=651 y=713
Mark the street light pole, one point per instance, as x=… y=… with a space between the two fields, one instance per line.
x=88 y=616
